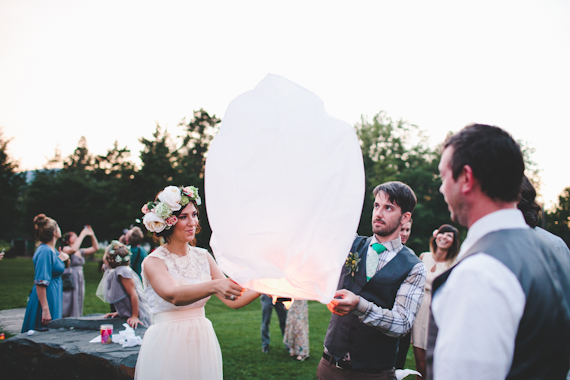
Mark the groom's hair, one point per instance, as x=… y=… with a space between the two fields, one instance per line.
x=494 y=156
x=398 y=193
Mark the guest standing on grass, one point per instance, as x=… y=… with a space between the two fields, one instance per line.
x=267 y=306
x=296 y=337
x=405 y=340
x=444 y=247
x=73 y=296
x=503 y=311
x=134 y=238
x=44 y=303
x=380 y=291
x=530 y=209
x=179 y=278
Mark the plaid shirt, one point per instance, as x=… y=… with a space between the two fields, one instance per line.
x=397 y=321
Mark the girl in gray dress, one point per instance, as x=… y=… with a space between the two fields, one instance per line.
x=122 y=287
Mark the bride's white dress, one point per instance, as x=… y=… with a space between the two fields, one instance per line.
x=181 y=343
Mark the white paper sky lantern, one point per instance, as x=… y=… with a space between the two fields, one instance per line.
x=284 y=192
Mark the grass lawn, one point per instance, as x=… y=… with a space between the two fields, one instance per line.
x=238 y=330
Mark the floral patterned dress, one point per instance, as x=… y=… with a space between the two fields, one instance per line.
x=296 y=336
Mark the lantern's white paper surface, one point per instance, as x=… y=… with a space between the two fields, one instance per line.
x=284 y=188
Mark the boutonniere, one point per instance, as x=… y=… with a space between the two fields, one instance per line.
x=352 y=264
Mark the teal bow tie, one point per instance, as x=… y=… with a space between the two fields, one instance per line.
x=379 y=248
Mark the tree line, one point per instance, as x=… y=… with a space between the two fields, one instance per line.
x=107 y=191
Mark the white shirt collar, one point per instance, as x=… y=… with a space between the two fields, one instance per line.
x=499 y=220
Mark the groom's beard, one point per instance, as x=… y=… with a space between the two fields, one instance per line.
x=386 y=229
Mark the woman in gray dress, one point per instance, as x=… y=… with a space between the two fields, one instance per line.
x=73 y=297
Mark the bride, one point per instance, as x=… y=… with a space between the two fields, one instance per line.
x=179 y=278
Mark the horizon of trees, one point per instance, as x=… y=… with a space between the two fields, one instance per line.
x=107 y=191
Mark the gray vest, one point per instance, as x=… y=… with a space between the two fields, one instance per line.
x=542 y=344
x=369 y=348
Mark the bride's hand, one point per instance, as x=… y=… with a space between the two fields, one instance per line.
x=228 y=289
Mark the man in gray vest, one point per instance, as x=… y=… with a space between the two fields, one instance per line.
x=503 y=311
x=380 y=291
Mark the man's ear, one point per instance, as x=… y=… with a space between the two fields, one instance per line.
x=405 y=218
x=467 y=179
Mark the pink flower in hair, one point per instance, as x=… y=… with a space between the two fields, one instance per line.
x=189 y=190
x=171 y=220
x=145 y=209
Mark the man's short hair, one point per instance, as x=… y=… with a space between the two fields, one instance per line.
x=493 y=155
x=527 y=203
x=398 y=193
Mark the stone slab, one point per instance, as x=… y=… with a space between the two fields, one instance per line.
x=11 y=320
x=64 y=352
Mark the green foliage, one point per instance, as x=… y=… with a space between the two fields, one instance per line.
x=4 y=245
x=12 y=184
x=80 y=160
x=399 y=151
x=558 y=221
x=196 y=139
x=107 y=191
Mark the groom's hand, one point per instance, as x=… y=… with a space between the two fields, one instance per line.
x=344 y=302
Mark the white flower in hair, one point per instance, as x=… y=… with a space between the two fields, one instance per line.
x=171 y=196
x=153 y=222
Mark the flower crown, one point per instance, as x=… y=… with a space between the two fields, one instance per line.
x=117 y=258
x=158 y=214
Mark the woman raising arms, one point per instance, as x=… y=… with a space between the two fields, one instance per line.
x=72 y=304
x=179 y=278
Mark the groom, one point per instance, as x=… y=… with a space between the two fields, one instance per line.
x=380 y=291
x=503 y=312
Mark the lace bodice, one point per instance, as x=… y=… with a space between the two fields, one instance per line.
x=185 y=270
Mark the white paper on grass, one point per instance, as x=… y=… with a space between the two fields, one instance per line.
x=284 y=188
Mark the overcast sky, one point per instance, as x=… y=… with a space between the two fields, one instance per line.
x=109 y=70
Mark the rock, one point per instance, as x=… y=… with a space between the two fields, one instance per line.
x=64 y=352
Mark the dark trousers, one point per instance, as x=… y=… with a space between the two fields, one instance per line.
x=266 y=310
x=328 y=371
x=403 y=350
